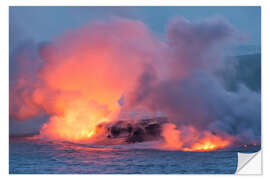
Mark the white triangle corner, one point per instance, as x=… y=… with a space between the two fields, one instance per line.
x=249 y=163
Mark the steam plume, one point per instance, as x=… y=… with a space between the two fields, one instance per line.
x=90 y=75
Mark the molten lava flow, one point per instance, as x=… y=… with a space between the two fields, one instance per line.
x=77 y=123
x=208 y=143
x=192 y=141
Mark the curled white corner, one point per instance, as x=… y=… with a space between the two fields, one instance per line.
x=249 y=163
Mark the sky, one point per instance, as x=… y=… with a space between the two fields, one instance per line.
x=43 y=23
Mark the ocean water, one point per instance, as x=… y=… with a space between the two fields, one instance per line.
x=37 y=157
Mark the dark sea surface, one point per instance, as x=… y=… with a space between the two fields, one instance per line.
x=37 y=157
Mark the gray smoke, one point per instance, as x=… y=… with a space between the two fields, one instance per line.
x=193 y=93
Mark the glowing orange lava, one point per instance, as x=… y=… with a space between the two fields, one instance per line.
x=194 y=141
x=76 y=122
x=210 y=142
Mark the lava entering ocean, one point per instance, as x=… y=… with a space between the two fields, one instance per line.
x=195 y=141
x=87 y=78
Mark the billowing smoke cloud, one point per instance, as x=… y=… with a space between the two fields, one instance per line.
x=88 y=75
x=193 y=94
x=82 y=76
